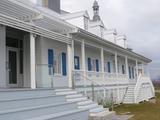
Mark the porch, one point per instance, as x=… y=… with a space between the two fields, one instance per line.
x=104 y=65
x=31 y=61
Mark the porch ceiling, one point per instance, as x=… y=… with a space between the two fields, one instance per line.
x=28 y=12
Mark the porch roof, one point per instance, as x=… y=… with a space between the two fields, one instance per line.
x=24 y=15
x=83 y=33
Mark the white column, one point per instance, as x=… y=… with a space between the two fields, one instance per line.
x=126 y=63
x=116 y=63
x=73 y=54
x=137 y=69
x=69 y=56
x=116 y=67
x=32 y=61
x=102 y=69
x=83 y=56
x=102 y=60
x=3 y=80
x=83 y=62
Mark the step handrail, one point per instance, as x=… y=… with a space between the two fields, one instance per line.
x=141 y=80
x=137 y=87
x=93 y=84
x=125 y=94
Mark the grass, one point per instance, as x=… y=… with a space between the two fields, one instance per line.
x=142 y=111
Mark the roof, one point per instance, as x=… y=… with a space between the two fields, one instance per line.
x=26 y=16
x=27 y=12
x=74 y=15
x=108 y=43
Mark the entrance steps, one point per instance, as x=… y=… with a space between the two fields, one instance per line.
x=84 y=103
x=40 y=104
x=129 y=97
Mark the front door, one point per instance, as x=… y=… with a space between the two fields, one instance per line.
x=12 y=69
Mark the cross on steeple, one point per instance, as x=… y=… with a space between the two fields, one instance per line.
x=96 y=16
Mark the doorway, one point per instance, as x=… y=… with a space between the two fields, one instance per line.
x=12 y=67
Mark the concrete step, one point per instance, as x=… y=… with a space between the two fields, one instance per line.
x=30 y=112
x=66 y=93
x=74 y=96
x=30 y=102
x=85 y=102
x=77 y=114
x=62 y=90
x=24 y=93
x=90 y=106
x=97 y=109
x=77 y=99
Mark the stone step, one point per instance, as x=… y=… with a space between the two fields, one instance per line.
x=85 y=102
x=97 y=110
x=66 y=93
x=30 y=102
x=24 y=93
x=90 y=106
x=62 y=90
x=30 y=112
x=77 y=99
x=77 y=114
x=74 y=96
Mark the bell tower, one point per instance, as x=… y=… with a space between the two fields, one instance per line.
x=96 y=16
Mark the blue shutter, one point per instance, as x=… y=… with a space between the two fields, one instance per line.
x=109 y=67
x=123 y=71
x=130 y=76
x=64 y=64
x=50 y=61
x=89 y=64
x=97 y=65
x=76 y=62
x=132 y=72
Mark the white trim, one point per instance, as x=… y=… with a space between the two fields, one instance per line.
x=29 y=27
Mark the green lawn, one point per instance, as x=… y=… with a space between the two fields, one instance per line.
x=142 y=111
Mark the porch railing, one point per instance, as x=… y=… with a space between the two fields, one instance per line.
x=96 y=90
x=103 y=78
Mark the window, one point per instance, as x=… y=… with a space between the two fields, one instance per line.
x=50 y=61
x=76 y=63
x=109 y=67
x=64 y=64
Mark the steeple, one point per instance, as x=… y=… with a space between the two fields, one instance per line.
x=96 y=16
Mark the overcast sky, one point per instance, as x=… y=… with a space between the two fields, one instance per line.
x=139 y=20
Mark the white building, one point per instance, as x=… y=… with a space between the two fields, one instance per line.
x=40 y=48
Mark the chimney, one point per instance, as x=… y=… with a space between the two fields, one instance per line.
x=52 y=4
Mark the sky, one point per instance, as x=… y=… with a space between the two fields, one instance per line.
x=139 y=20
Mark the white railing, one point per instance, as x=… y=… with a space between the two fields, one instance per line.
x=97 y=90
x=88 y=84
x=142 y=79
x=103 y=78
